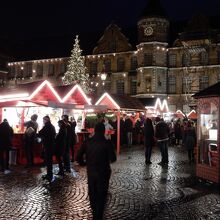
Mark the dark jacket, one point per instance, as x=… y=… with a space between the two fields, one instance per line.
x=60 y=140
x=47 y=133
x=190 y=138
x=148 y=133
x=162 y=131
x=128 y=125
x=99 y=153
x=6 y=134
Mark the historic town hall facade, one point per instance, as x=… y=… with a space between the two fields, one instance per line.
x=152 y=68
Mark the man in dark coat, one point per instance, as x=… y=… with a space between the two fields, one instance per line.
x=148 y=139
x=99 y=153
x=6 y=134
x=47 y=133
x=60 y=146
x=162 y=136
x=129 y=130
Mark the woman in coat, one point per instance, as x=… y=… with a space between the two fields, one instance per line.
x=148 y=139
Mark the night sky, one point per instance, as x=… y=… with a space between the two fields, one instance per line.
x=55 y=17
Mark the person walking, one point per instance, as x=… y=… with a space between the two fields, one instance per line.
x=99 y=153
x=47 y=134
x=148 y=139
x=60 y=144
x=190 y=140
x=162 y=136
x=29 y=137
x=6 y=134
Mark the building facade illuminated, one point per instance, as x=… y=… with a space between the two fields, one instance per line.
x=150 y=69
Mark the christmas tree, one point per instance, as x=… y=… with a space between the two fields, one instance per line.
x=76 y=69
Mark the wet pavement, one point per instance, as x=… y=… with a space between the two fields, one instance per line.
x=137 y=191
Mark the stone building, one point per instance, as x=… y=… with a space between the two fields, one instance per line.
x=152 y=68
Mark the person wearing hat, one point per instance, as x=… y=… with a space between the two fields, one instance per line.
x=99 y=154
x=48 y=133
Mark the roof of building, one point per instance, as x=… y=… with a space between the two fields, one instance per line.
x=128 y=102
x=211 y=91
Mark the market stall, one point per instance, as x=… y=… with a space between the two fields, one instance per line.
x=208 y=153
x=119 y=104
x=18 y=104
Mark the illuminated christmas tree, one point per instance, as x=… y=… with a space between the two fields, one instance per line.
x=76 y=69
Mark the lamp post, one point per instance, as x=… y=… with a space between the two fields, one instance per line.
x=103 y=77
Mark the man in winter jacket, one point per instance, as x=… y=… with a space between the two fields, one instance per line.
x=47 y=133
x=99 y=153
x=162 y=136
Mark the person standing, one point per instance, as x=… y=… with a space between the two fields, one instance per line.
x=66 y=158
x=60 y=144
x=148 y=139
x=29 y=137
x=48 y=133
x=99 y=153
x=177 y=132
x=128 y=129
x=190 y=140
x=73 y=137
x=162 y=136
x=6 y=134
x=108 y=128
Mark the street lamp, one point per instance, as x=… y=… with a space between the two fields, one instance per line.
x=103 y=76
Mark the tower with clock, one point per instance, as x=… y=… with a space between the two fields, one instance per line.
x=153 y=28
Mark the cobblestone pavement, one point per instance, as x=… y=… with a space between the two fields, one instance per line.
x=137 y=191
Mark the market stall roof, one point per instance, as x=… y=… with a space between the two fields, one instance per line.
x=211 y=91
x=192 y=115
x=123 y=102
x=41 y=92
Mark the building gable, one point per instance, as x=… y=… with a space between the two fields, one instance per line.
x=112 y=41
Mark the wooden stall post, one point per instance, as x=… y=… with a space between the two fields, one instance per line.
x=22 y=120
x=118 y=132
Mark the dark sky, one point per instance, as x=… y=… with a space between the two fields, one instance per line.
x=19 y=18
